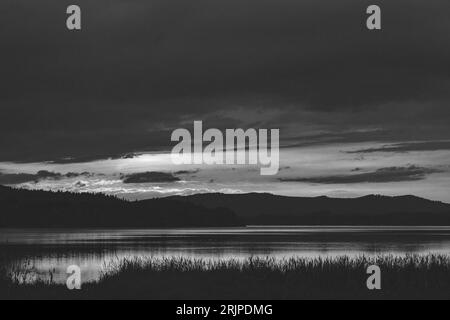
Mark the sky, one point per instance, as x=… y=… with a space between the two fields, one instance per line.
x=359 y=112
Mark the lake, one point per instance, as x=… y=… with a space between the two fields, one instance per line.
x=52 y=251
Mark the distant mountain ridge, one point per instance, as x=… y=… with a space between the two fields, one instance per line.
x=41 y=209
x=269 y=209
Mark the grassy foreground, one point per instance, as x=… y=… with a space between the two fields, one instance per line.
x=410 y=277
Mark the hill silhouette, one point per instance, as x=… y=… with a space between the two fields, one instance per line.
x=41 y=209
x=269 y=209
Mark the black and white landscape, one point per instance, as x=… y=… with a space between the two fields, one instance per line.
x=87 y=178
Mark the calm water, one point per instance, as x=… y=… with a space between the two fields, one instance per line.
x=54 y=250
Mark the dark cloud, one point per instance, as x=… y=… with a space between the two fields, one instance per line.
x=149 y=177
x=80 y=184
x=407 y=147
x=383 y=175
x=82 y=174
x=140 y=68
x=12 y=179
x=43 y=174
x=186 y=172
x=129 y=156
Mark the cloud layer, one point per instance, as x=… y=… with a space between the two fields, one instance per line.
x=149 y=177
x=408 y=147
x=18 y=178
x=139 y=69
x=383 y=175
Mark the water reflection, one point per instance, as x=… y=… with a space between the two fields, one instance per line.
x=48 y=253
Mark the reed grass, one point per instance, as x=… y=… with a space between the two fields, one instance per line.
x=403 y=277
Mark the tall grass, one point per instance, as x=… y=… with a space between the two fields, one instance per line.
x=411 y=276
x=406 y=277
x=273 y=265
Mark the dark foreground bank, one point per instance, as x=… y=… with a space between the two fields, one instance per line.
x=411 y=277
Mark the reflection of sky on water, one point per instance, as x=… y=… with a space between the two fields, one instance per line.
x=54 y=251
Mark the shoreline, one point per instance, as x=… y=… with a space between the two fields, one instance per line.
x=409 y=277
